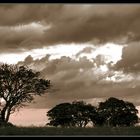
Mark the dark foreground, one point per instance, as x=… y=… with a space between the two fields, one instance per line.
x=46 y=131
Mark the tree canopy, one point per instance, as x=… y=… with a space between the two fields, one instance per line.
x=115 y=112
x=19 y=85
x=60 y=115
x=75 y=114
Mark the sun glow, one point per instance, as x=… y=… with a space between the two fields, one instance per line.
x=111 y=52
x=69 y=50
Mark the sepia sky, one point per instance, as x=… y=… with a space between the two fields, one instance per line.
x=89 y=52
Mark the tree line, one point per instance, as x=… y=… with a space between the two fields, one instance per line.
x=113 y=112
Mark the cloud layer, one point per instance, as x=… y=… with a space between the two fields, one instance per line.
x=63 y=23
x=82 y=79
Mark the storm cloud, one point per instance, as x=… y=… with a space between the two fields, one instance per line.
x=66 y=23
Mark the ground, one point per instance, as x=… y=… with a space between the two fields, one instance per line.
x=50 y=131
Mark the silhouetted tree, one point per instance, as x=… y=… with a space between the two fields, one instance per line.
x=77 y=114
x=83 y=113
x=60 y=115
x=18 y=85
x=115 y=112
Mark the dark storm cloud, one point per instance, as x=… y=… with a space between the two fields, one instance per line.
x=17 y=14
x=20 y=38
x=68 y=23
x=16 y=31
x=130 y=61
x=102 y=23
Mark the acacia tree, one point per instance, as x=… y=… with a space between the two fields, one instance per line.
x=19 y=85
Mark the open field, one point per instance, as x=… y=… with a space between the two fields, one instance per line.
x=46 y=131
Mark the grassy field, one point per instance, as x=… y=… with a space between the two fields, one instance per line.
x=46 y=131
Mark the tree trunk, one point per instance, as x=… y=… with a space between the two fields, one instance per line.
x=3 y=114
x=8 y=114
